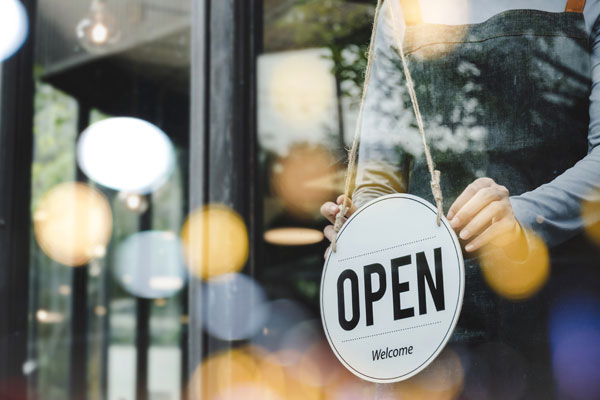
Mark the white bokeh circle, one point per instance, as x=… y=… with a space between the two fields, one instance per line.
x=126 y=154
x=14 y=27
x=150 y=264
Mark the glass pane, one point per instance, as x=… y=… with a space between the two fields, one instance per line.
x=182 y=152
x=55 y=133
x=264 y=334
x=109 y=198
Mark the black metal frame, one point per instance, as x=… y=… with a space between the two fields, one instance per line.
x=16 y=153
x=226 y=38
x=79 y=308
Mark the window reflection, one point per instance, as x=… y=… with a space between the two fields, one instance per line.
x=113 y=327
x=142 y=288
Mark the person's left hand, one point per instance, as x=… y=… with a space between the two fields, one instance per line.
x=483 y=213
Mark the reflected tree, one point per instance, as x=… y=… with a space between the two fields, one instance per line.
x=341 y=26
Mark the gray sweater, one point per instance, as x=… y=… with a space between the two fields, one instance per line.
x=551 y=210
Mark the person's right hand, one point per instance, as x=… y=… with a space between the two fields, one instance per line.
x=330 y=211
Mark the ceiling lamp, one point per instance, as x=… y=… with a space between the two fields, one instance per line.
x=98 y=30
x=293 y=236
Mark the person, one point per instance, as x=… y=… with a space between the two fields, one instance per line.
x=512 y=114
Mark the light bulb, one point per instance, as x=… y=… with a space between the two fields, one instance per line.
x=98 y=30
x=99 y=33
x=134 y=202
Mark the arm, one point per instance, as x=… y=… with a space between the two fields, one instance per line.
x=553 y=210
x=381 y=168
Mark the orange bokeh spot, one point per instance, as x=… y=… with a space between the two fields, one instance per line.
x=590 y=213
x=442 y=380
x=248 y=372
x=517 y=271
x=221 y=372
x=215 y=240
x=73 y=224
x=304 y=179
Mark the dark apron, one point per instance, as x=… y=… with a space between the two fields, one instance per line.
x=520 y=82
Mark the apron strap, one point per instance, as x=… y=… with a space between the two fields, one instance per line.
x=412 y=12
x=575 y=6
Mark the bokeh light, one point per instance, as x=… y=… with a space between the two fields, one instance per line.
x=293 y=236
x=292 y=175
x=49 y=317
x=282 y=316
x=348 y=386
x=452 y=18
x=98 y=29
x=233 y=307
x=73 y=224
x=575 y=341
x=109 y=153
x=302 y=89
x=317 y=365
x=255 y=372
x=134 y=202
x=219 y=373
x=244 y=373
x=441 y=380
x=455 y=12
x=100 y=311
x=298 y=340
x=150 y=264
x=590 y=214
x=512 y=275
x=14 y=26
x=252 y=373
x=215 y=239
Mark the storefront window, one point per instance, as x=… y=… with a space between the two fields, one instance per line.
x=164 y=167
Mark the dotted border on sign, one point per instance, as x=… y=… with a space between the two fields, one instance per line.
x=461 y=283
x=387 y=248
x=396 y=330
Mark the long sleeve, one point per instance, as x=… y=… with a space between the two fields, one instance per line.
x=386 y=150
x=381 y=167
x=553 y=210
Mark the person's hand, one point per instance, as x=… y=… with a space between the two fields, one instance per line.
x=482 y=214
x=330 y=210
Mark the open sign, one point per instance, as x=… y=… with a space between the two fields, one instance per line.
x=392 y=293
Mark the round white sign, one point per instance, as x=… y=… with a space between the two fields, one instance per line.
x=391 y=295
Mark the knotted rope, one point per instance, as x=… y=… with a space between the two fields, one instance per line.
x=435 y=174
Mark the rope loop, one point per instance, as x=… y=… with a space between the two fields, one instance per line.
x=435 y=174
x=436 y=189
x=339 y=221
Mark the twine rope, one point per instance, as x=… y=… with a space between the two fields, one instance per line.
x=435 y=174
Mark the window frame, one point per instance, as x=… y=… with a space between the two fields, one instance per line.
x=16 y=153
x=224 y=167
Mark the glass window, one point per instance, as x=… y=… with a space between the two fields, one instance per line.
x=109 y=197
x=163 y=167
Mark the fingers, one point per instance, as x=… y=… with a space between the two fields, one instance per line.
x=467 y=194
x=477 y=202
x=329 y=232
x=495 y=230
x=494 y=211
x=329 y=210
x=351 y=209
